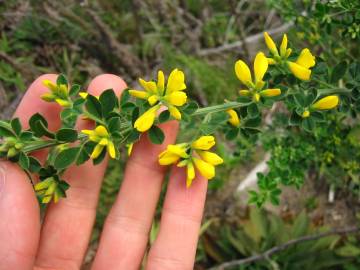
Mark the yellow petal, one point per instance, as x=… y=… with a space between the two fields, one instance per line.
x=51 y=188
x=63 y=90
x=161 y=82
x=83 y=95
x=139 y=94
x=50 y=85
x=130 y=148
x=174 y=112
x=190 y=174
x=234 y=118
x=176 y=81
x=299 y=72
x=145 y=121
x=305 y=114
x=87 y=131
x=56 y=196
x=306 y=59
x=43 y=184
x=204 y=143
x=244 y=93
x=243 y=72
x=49 y=97
x=62 y=102
x=326 y=103
x=206 y=169
x=270 y=92
x=210 y=157
x=288 y=52
x=167 y=158
x=104 y=141
x=153 y=99
x=111 y=149
x=283 y=46
x=260 y=66
x=148 y=86
x=97 y=151
x=177 y=98
x=178 y=149
x=256 y=97
x=101 y=131
x=270 y=44
x=271 y=61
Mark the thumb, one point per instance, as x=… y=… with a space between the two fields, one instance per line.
x=19 y=219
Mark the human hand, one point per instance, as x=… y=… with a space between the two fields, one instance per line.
x=61 y=241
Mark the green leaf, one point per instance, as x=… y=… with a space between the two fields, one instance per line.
x=232 y=134
x=69 y=117
x=156 y=135
x=190 y=108
x=114 y=125
x=164 y=116
x=16 y=126
x=61 y=79
x=66 y=157
x=301 y=225
x=93 y=107
x=26 y=135
x=66 y=135
x=24 y=161
x=338 y=72
x=33 y=123
x=253 y=110
x=34 y=165
x=125 y=97
x=308 y=124
x=133 y=136
x=84 y=153
x=128 y=106
x=295 y=119
x=253 y=122
x=108 y=101
x=6 y=132
x=348 y=250
x=74 y=90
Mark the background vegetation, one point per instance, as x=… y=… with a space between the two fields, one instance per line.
x=204 y=38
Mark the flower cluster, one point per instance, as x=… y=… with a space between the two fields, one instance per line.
x=101 y=137
x=193 y=155
x=171 y=96
x=59 y=93
x=300 y=68
x=255 y=87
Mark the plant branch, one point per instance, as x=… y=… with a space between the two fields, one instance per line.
x=281 y=247
x=250 y=39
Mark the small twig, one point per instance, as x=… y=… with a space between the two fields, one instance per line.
x=279 y=248
x=250 y=39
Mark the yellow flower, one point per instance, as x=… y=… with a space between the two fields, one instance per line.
x=146 y=120
x=173 y=153
x=171 y=96
x=305 y=114
x=300 y=68
x=100 y=136
x=233 y=118
x=48 y=189
x=255 y=87
x=192 y=155
x=204 y=143
x=326 y=103
x=58 y=94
